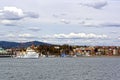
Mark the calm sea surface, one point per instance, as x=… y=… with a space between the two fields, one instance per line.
x=60 y=69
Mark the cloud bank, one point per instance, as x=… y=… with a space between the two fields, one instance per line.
x=78 y=35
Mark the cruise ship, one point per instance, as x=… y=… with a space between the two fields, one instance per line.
x=29 y=53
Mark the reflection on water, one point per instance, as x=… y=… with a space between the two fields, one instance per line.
x=60 y=69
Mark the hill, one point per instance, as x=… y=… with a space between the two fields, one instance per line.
x=7 y=44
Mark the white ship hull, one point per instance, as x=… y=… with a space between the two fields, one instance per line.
x=28 y=56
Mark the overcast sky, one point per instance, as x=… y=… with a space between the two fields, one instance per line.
x=82 y=22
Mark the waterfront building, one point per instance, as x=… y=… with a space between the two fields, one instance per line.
x=2 y=51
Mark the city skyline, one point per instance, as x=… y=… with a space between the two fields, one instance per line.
x=81 y=22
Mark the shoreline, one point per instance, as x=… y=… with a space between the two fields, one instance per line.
x=99 y=57
x=71 y=57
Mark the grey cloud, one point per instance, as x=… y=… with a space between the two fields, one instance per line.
x=13 y=13
x=87 y=23
x=65 y=21
x=10 y=16
x=10 y=24
x=34 y=29
x=63 y=18
x=111 y=24
x=97 y=4
x=31 y=15
x=61 y=15
x=88 y=18
x=55 y=15
x=93 y=23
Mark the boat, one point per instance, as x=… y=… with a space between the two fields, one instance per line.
x=29 y=53
x=63 y=55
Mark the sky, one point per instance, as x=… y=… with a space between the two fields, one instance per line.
x=74 y=22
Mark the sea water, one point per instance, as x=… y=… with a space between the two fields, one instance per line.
x=60 y=69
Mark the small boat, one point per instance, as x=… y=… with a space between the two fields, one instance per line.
x=63 y=55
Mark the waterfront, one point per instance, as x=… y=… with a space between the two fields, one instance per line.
x=104 y=68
